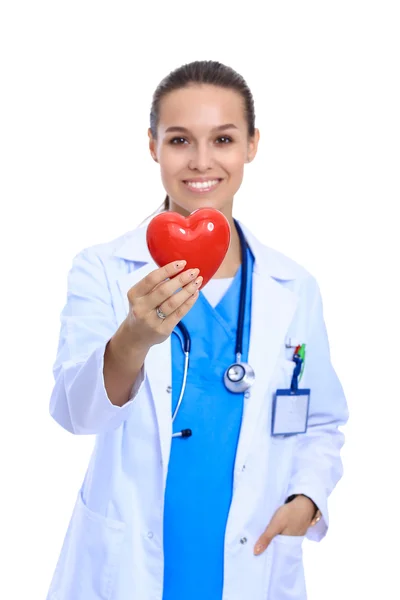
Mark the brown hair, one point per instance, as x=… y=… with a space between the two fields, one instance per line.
x=208 y=72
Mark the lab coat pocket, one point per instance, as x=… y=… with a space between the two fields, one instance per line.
x=287 y=574
x=90 y=556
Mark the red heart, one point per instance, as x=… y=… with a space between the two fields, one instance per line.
x=202 y=239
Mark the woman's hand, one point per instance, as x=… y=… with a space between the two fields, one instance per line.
x=293 y=519
x=126 y=351
x=159 y=290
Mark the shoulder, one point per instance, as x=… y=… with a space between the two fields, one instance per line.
x=129 y=246
x=274 y=263
x=283 y=267
x=284 y=270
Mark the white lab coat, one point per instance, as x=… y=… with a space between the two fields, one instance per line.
x=113 y=549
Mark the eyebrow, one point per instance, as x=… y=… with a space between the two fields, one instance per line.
x=184 y=130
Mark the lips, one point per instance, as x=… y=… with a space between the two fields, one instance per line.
x=202 y=185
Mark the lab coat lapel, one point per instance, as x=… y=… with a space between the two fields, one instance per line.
x=158 y=367
x=273 y=307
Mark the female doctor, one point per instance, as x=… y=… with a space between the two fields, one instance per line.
x=208 y=495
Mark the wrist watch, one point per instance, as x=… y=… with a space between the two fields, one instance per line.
x=317 y=515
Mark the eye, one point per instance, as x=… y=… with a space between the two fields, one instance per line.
x=178 y=141
x=224 y=139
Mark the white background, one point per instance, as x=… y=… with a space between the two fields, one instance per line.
x=77 y=80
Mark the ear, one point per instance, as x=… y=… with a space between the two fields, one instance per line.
x=152 y=146
x=253 y=146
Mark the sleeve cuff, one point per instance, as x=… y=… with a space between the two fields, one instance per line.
x=91 y=410
x=136 y=388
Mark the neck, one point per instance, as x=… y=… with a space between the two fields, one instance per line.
x=233 y=258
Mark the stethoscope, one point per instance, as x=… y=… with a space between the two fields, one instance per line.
x=239 y=376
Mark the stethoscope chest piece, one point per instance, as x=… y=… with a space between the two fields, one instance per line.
x=239 y=377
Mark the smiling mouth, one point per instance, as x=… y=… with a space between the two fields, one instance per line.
x=202 y=186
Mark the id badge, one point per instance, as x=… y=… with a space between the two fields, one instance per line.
x=290 y=412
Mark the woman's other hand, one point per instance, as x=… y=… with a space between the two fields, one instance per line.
x=292 y=519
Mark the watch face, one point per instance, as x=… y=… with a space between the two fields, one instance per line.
x=236 y=373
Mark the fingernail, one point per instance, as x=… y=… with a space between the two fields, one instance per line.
x=194 y=273
x=198 y=281
x=258 y=549
x=180 y=264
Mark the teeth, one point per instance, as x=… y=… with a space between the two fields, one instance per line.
x=201 y=184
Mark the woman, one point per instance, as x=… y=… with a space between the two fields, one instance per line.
x=221 y=514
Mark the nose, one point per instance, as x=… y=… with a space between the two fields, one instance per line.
x=201 y=158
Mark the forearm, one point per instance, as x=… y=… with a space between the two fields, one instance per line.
x=123 y=361
x=317 y=468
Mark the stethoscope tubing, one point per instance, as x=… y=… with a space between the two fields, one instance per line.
x=186 y=340
x=183 y=386
x=186 y=343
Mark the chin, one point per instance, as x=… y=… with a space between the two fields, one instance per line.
x=190 y=205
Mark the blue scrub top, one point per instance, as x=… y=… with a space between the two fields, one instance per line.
x=200 y=475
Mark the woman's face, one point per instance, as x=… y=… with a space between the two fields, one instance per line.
x=202 y=146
